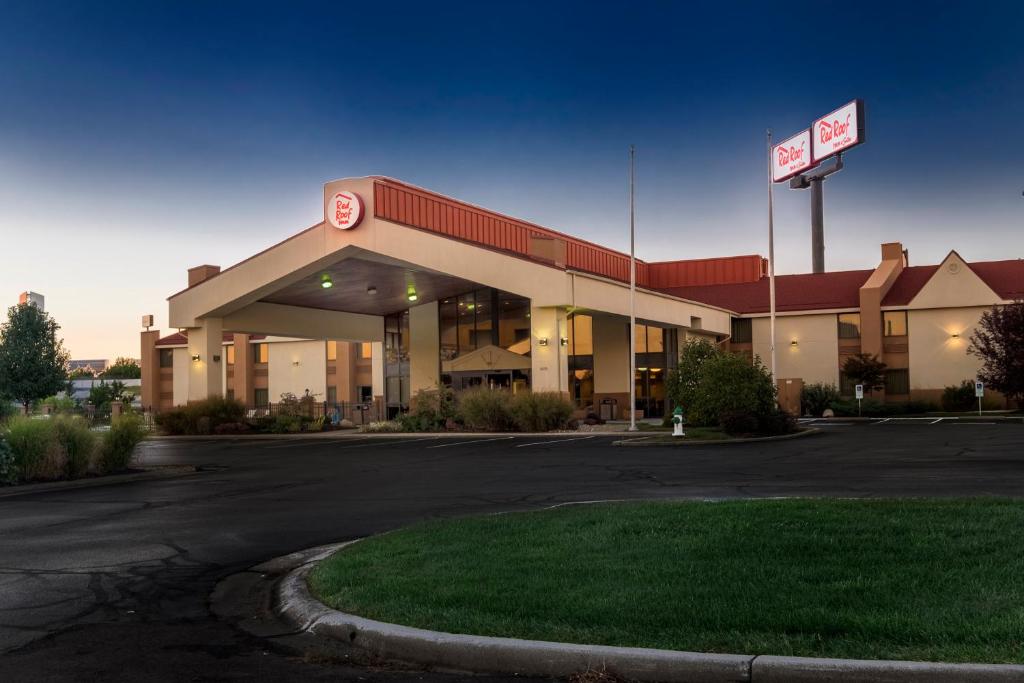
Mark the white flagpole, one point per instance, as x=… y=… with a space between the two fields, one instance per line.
x=632 y=289
x=771 y=259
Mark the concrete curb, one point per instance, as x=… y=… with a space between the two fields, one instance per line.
x=484 y=654
x=649 y=442
x=348 y=434
x=163 y=472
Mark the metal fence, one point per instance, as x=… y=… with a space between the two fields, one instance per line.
x=358 y=413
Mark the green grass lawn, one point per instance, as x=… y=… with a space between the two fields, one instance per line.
x=899 y=579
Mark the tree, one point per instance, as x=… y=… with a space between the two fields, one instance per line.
x=866 y=369
x=102 y=394
x=33 y=361
x=999 y=342
x=81 y=373
x=123 y=368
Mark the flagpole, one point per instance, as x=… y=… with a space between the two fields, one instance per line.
x=632 y=289
x=771 y=259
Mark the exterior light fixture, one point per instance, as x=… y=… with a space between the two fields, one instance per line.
x=794 y=343
x=564 y=341
x=195 y=358
x=543 y=341
x=325 y=281
x=955 y=335
x=410 y=293
x=412 y=296
x=295 y=363
x=371 y=290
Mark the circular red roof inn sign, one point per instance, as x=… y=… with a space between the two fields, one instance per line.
x=344 y=210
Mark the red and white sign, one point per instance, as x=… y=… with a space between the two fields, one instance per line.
x=792 y=156
x=344 y=210
x=839 y=130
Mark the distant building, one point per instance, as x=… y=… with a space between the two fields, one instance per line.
x=96 y=366
x=34 y=298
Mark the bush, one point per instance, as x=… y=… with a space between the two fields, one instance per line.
x=540 y=411
x=959 y=399
x=684 y=380
x=430 y=410
x=232 y=428
x=815 y=399
x=119 y=443
x=729 y=382
x=869 y=408
x=201 y=417
x=738 y=422
x=775 y=424
x=382 y=426
x=7 y=410
x=286 y=424
x=8 y=468
x=37 y=455
x=486 y=409
x=78 y=443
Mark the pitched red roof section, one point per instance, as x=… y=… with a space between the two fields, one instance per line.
x=809 y=291
x=181 y=339
x=908 y=284
x=1006 y=278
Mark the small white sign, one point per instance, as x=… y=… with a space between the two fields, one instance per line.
x=344 y=210
x=792 y=156
x=979 y=389
x=839 y=130
x=859 y=391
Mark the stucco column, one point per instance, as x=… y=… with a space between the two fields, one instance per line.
x=205 y=374
x=549 y=369
x=611 y=361
x=424 y=348
x=244 y=358
x=377 y=370
x=149 y=359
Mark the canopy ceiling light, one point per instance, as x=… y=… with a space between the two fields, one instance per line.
x=410 y=294
x=371 y=290
x=325 y=281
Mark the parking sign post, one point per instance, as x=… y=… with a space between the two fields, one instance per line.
x=979 y=391
x=859 y=390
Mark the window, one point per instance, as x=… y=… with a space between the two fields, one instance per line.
x=261 y=396
x=849 y=325
x=897 y=381
x=894 y=323
x=332 y=395
x=742 y=330
x=332 y=350
x=167 y=358
x=262 y=353
x=365 y=393
x=365 y=350
x=229 y=352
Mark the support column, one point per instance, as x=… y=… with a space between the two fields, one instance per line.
x=424 y=348
x=549 y=369
x=149 y=359
x=205 y=360
x=611 y=363
x=244 y=358
x=377 y=377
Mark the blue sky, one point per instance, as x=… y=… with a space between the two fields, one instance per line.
x=139 y=139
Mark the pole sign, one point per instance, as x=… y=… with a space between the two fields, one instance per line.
x=838 y=131
x=859 y=390
x=979 y=389
x=792 y=157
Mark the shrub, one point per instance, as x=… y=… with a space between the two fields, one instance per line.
x=486 y=409
x=684 y=380
x=959 y=399
x=232 y=428
x=869 y=408
x=815 y=399
x=540 y=411
x=36 y=451
x=382 y=426
x=7 y=410
x=729 y=382
x=738 y=422
x=8 y=468
x=119 y=443
x=429 y=411
x=201 y=417
x=78 y=442
x=776 y=423
x=286 y=423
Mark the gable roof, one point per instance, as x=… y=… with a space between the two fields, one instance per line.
x=805 y=292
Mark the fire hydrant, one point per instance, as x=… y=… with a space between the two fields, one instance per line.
x=677 y=422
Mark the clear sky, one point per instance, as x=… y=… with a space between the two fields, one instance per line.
x=139 y=139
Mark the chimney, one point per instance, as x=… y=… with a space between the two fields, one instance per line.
x=201 y=274
x=894 y=251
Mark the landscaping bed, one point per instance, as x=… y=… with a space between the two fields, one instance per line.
x=931 y=580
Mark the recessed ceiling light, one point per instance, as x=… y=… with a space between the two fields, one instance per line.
x=325 y=281
x=371 y=290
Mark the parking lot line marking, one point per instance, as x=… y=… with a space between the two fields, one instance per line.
x=936 y=421
x=883 y=421
x=381 y=442
x=541 y=443
x=461 y=443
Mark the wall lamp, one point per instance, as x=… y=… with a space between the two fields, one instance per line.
x=295 y=363
x=410 y=294
x=325 y=281
x=955 y=335
x=543 y=341
x=371 y=290
x=563 y=341
x=794 y=343
x=195 y=358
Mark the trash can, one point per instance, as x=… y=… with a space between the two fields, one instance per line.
x=608 y=408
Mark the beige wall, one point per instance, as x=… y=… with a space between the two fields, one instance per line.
x=286 y=377
x=954 y=284
x=180 y=385
x=611 y=355
x=814 y=359
x=424 y=348
x=937 y=359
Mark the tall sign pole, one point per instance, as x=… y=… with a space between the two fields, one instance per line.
x=771 y=255
x=632 y=288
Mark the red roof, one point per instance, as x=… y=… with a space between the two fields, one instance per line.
x=181 y=339
x=908 y=284
x=1006 y=278
x=809 y=291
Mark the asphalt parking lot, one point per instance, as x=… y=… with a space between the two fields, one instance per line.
x=112 y=583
